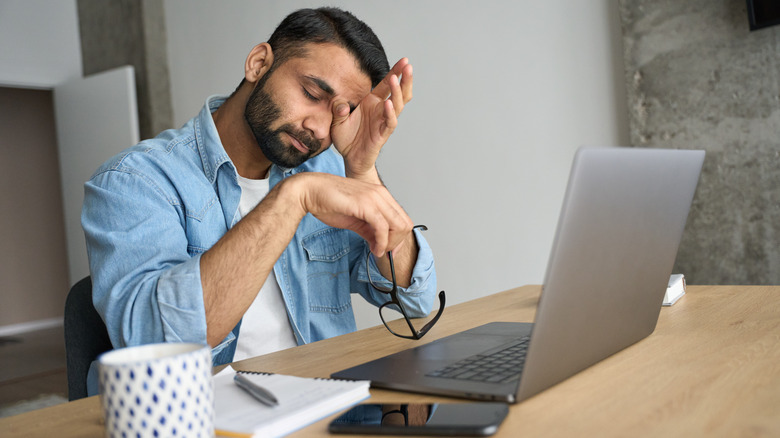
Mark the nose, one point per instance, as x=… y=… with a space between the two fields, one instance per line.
x=318 y=123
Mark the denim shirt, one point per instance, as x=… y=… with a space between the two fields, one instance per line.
x=151 y=212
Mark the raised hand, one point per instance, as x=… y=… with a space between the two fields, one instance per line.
x=359 y=136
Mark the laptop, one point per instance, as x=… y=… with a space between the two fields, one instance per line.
x=622 y=219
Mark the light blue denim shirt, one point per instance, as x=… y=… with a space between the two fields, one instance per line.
x=151 y=211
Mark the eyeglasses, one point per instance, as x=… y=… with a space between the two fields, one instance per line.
x=394 y=301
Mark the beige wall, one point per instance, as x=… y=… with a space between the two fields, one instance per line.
x=33 y=265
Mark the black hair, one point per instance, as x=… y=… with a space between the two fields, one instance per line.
x=330 y=25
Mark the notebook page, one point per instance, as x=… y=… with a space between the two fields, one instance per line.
x=301 y=402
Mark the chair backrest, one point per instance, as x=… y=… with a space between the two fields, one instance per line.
x=85 y=337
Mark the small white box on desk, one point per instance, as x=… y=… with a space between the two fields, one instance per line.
x=675 y=290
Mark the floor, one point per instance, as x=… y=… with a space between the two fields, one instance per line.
x=32 y=371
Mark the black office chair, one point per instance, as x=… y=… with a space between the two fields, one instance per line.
x=85 y=337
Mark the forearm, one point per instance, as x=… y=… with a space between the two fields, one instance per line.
x=404 y=259
x=235 y=268
x=419 y=296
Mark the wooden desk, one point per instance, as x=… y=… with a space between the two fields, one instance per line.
x=712 y=368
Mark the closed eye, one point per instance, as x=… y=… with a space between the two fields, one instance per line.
x=309 y=96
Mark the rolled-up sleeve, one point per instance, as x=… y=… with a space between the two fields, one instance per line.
x=146 y=280
x=419 y=297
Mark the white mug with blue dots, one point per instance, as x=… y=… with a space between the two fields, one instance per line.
x=157 y=390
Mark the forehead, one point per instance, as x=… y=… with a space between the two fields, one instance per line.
x=335 y=66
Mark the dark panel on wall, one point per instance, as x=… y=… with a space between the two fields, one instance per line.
x=33 y=260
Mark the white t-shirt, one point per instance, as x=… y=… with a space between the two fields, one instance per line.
x=265 y=327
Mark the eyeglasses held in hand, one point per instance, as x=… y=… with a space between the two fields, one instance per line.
x=393 y=292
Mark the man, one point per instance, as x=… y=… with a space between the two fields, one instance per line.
x=244 y=229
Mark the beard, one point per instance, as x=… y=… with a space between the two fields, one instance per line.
x=260 y=113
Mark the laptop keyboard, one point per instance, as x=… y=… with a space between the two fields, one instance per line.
x=499 y=365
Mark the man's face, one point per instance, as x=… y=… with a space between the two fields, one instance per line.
x=290 y=108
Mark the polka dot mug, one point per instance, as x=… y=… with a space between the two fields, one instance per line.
x=157 y=390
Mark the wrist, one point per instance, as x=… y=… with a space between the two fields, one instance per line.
x=292 y=192
x=369 y=176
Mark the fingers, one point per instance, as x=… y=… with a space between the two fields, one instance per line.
x=391 y=119
x=399 y=223
x=387 y=226
x=367 y=209
x=400 y=90
x=371 y=123
x=406 y=82
x=340 y=111
x=381 y=236
x=383 y=88
x=397 y=96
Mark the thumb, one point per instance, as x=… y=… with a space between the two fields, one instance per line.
x=340 y=112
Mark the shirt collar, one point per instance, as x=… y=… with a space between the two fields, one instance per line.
x=210 y=148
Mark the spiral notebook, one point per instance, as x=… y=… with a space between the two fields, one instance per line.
x=302 y=401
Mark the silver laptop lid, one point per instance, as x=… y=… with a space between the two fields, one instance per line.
x=617 y=237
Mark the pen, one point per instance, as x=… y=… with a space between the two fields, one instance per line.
x=261 y=394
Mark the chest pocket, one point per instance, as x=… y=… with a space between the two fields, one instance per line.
x=327 y=270
x=204 y=227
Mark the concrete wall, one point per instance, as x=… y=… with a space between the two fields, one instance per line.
x=130 y=32
x=504 y=93
x=698 y=78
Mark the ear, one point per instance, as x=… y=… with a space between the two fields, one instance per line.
x=258 y=62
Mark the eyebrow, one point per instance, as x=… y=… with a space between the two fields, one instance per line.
x=324 y=86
